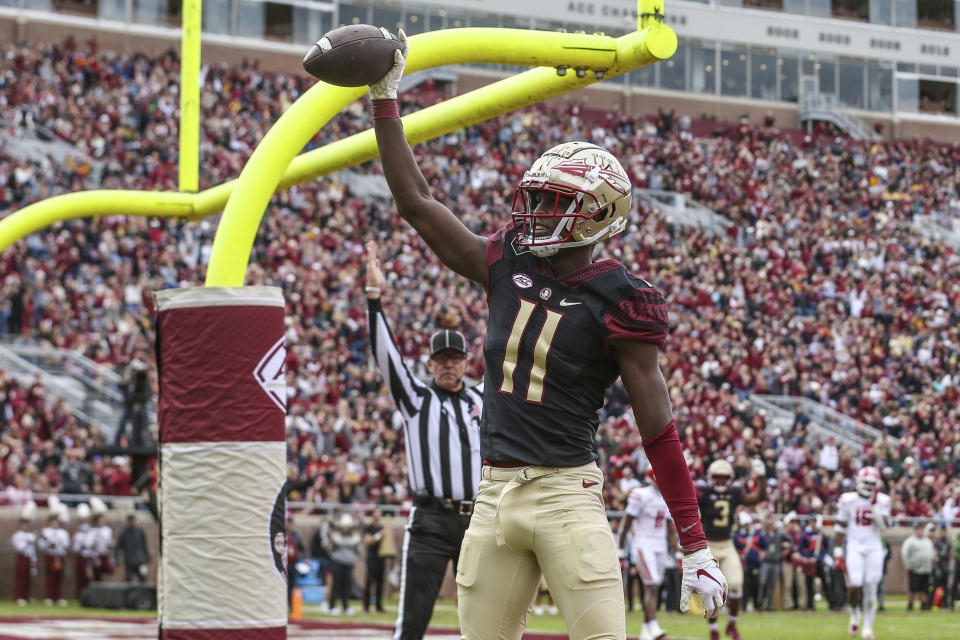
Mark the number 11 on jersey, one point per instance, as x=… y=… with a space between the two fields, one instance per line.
x=540 y=350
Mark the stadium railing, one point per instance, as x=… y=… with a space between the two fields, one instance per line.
x=824 y=421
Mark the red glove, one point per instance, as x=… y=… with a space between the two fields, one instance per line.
x=841 y=565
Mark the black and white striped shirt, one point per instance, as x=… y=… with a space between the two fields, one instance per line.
x=442 y=428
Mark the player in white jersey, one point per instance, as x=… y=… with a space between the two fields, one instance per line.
x=648 y=523
x=862 y=517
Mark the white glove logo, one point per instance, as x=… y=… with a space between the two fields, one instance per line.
x=702 y=575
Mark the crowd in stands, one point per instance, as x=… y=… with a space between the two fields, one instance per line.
x=820 y=287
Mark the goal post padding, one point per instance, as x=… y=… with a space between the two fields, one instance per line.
x=221 y=362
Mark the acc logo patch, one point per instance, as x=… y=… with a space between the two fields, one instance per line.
x=545 y=293
x=271 y=373
x=522 y=280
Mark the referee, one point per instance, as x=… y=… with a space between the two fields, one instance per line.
x=442 y=434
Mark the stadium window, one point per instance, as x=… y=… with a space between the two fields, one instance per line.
x=772 y=5
x=819 y=8
x=673 y=71
x=881 y=12
x=850 y=9
x=548 y=25
x=938 y=97
x=645 y=76
x=73 y=7
x=937 y=14
x=250 y=16
x=309 y=23
x=484 y=20
x=851 y=84
x=733 y=73
x=948 y=72
x=115 y=10
x=352 y=14
x=795 y=6
x=905 y=13
x=827 y=74
x=763 y=76
x=278 y=22
x=703 y=72
x=908 y=94
x=417 y=19
x=906 y=67
x=789 y=67
x=390 y=17
x=880 y=89
x=174 y=11
x=217 y=15
x=452 y=19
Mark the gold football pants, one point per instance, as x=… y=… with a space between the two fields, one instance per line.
x=531 y=520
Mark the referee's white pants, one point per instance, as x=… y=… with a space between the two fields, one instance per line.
x=533 y=519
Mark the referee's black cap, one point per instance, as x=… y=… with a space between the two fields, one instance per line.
x=447 y=339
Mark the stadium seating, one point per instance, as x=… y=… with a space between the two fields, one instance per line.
x=821 y=287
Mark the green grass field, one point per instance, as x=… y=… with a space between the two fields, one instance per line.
x=895 y=622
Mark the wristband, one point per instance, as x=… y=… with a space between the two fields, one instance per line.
x=386 y=108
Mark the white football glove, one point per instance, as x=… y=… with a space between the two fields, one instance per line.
x=702 y=575
x=386 y=87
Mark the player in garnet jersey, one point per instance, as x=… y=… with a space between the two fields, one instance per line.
x=862 y=517
x=561 y=329
x=718 y=500
x=648 y=524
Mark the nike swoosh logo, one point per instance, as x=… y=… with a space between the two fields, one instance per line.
x=564 y=303
x=701 y=572
x=688 y=527
x=587 y=485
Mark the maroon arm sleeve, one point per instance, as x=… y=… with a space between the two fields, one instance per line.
x=666 y=457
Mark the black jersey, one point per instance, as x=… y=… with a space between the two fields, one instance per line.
x=547 y=351
x=717 y=510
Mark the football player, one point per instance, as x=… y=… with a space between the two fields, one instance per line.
x=718 y=500
x=561 y=329
x=862 y=517
x=649 y=524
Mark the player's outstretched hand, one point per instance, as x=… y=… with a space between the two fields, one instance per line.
x=702 y=575
x=386 y=87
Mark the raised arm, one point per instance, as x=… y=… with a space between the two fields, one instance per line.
x=456 y=246
x=406 y=389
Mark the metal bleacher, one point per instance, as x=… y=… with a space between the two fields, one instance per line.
x=90 y=390
x=780 y=413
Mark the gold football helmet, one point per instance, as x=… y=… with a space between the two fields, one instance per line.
x=720 y=475
x=582 y=185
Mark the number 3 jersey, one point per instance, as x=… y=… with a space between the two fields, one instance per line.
x=548 y=351
x=857 y=513
x=717 y=510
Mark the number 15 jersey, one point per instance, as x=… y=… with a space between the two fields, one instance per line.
x=857 y=513
x=548 y=355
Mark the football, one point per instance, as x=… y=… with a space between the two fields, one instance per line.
x=352 y=56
